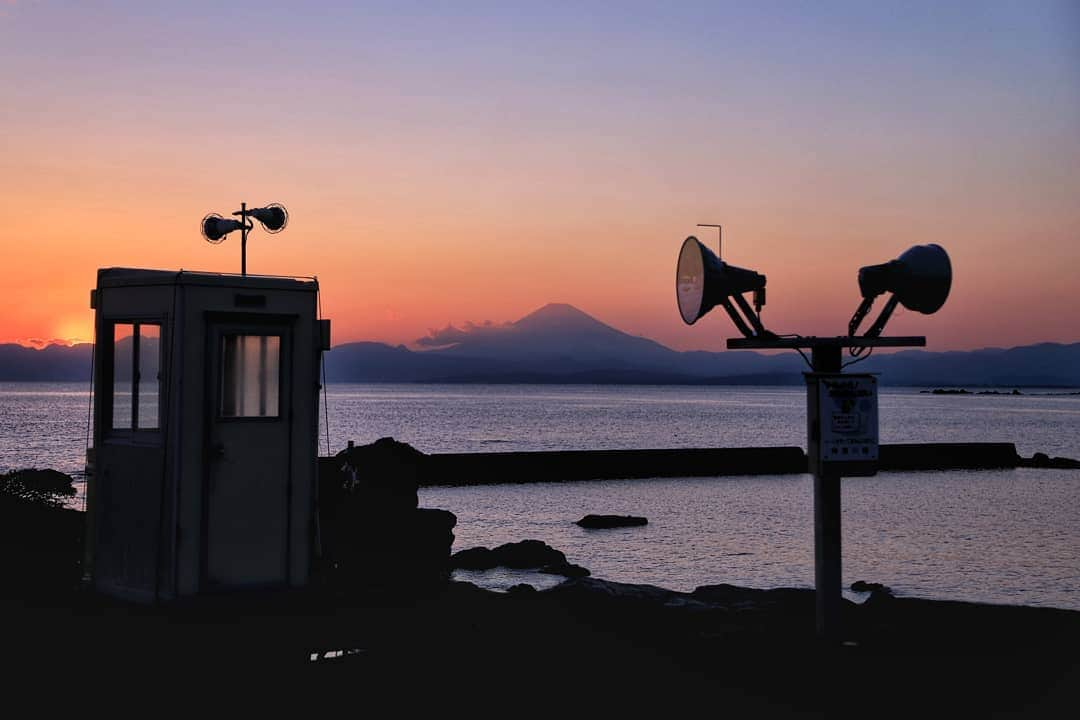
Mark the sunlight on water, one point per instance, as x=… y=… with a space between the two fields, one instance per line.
x=44 y=425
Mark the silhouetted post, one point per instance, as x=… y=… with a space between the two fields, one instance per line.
x=827 y=554
x=841 y=441
x=827 y=538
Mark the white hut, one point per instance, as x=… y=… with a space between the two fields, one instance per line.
x=202 y=476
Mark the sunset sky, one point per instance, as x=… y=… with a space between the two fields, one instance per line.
x=455 y=162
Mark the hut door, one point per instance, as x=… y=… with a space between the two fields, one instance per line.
x=248 y=445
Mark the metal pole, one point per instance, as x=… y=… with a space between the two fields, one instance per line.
x=827 y=510
x=827 y=554
x=243 y=238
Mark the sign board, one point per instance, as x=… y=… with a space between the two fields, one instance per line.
x=842 y=413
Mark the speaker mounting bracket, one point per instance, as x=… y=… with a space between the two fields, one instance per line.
x=825 y=351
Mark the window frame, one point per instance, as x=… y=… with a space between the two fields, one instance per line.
x=224 y=335
x=132 y=431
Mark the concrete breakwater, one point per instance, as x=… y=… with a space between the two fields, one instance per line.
x=460 y=469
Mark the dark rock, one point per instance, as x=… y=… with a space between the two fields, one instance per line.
x=521 y=589
x=528 y=554
x=793 y=600
x=410 y=555
x=524 y=555
x=1042 y=460
x=48 y=488
x=863 y=586
x=432 y=537
x=1063 y=463
x=595 y=590
x=568 y=570
x=373 y=534
x=879 y=599
x=436 y=520
x=598 y=522
x=41 y=542
x=477 y=558
x=384 y=474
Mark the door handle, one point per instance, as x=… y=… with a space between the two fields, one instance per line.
x=217 y=451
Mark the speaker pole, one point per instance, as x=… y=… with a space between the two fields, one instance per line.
x=828 y=583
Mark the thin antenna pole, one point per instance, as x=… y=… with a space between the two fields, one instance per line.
x=243 y=238
x=719 y=239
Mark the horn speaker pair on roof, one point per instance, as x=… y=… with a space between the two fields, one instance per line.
x=273 y=218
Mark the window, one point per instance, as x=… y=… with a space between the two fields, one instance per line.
x=250 y=375
x=136 y=376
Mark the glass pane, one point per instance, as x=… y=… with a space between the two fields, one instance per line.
x=136 y=376
x=149 y=376
x=121 y=394
x=250 y=373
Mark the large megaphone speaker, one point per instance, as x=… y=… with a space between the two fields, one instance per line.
x=215 y=227
x=273 y=217
x=920 y=278
x=703 y=281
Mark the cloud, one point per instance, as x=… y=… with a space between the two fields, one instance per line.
x=450 y=335
x=42 y=343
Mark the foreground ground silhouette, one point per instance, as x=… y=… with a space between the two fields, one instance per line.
x=587 y=646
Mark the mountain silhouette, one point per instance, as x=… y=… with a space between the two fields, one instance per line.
x=561 y=338
x=51 y=363
x=559 y=343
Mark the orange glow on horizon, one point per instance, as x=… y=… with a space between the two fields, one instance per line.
x=406 y=282
x=483 y=175
x=42 y=343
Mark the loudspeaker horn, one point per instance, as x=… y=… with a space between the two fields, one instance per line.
x=702 y=280
x=920 y=278
x=215 y=228
x=273 y=217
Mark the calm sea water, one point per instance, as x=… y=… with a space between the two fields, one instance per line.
x=995 y=536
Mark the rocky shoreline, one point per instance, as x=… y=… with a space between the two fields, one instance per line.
x=362 y=635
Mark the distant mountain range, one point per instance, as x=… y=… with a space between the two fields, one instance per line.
x=54 y=362
x=69 y=363
x=561 y=344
